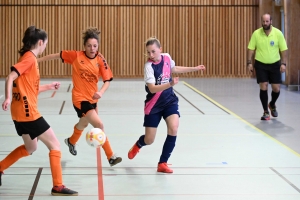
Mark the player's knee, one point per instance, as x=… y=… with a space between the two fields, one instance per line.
x=82 y=125
x=172 y=131
x=149 y=141
x=31 y=149
x=276 y=89
x=99 y=125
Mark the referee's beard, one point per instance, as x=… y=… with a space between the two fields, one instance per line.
x=266 y=27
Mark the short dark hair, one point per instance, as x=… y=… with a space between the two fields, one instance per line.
x=267 y=14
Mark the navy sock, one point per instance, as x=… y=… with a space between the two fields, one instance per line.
x=167 y=148
x=275 y=96
x=141 y=142
x=264 y=99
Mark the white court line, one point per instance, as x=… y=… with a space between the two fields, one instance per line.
x=1 y=96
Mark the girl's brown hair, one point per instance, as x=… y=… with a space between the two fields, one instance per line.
x=152 y=40
x=31 y=36
x=91 y=33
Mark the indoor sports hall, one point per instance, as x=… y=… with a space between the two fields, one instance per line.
x=223 y=148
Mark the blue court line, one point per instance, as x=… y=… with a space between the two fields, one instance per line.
x=241 y=119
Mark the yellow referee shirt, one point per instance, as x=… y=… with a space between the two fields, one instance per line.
x=267 y=47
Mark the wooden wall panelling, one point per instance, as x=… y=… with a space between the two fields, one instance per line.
x=292 y=30
x=215 y=33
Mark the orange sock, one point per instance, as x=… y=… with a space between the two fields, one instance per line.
x=55 y=165
x=107 y=149
x=13 y=157
x=76 y=135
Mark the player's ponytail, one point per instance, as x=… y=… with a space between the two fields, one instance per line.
x=31 y=36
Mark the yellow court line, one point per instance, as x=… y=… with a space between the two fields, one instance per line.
x=246 y=122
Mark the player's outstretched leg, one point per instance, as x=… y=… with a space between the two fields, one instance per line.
x=71 y=141
x=11 y=158
x=72 y=147
x=136 y=147
x=133 y=151
x=166 y=153
x=111 y=157
x=58 y=188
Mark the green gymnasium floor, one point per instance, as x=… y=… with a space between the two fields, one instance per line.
x=223 y=150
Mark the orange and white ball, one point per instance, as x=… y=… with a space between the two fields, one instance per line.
x=95 y=137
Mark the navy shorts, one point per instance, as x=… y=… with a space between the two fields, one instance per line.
x=33 y=128
x=268 y=72
x=85 y=107
x=153 y=120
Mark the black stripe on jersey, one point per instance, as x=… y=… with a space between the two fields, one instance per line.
x=14 y=69
x=26 y=106
x=62 y=60
x=108 y=80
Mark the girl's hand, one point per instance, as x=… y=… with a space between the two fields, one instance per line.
x=174 y=81
x=200 y=67
x=97 y=95
x=54 y=85
x=6 y=104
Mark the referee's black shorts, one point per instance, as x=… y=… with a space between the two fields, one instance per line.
x=268 y=72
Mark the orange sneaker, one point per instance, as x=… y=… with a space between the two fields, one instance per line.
x=133 y=151
x=164 y=168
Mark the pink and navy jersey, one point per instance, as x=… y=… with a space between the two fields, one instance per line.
x=159 y=73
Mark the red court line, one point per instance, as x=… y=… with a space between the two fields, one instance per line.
x=100 y=178
x=153 y=195
x=53 y=94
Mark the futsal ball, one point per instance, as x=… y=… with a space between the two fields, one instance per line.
x=95 y=137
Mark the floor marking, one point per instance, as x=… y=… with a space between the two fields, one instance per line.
x=133 y=134
x=151 y=195
x=206 y=97
x=1 y=96
x=189 y=102
x=47 y=97
x=100 y=176
x=69 y=88
x=285 y=179
x=53 y=94
x=162 y=174
x=109 y=168
x=246 y=122
x=36 y=181
x=62 y=106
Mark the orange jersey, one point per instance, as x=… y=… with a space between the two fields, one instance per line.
x=25 y=89
x=85 y=75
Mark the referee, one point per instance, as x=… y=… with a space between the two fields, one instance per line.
x=270 y=47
